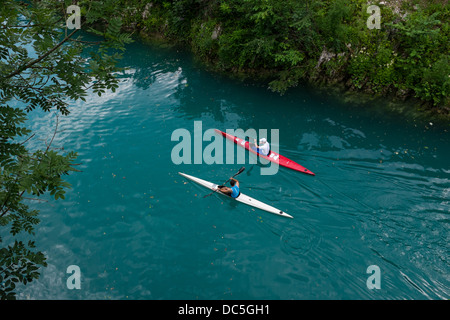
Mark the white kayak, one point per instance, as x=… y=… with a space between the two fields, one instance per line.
x=241 y=198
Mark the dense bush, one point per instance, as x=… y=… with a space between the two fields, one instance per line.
x=323 y=41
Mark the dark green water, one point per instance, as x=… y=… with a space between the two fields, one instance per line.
x=137 y=230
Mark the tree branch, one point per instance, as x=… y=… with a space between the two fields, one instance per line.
x=39 y=59
x=28 y=138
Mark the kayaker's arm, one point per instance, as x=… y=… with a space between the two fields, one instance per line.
x=225 y=190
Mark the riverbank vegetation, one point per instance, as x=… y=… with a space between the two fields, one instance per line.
x=323 y=42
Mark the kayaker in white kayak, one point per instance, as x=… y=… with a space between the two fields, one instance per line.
x=263 y=147
x=233 y=191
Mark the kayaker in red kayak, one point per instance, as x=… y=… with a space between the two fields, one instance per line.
x=263 y=147
x=233 y=191
x=272 y=156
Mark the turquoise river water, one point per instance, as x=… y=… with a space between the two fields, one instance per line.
x=138 y=230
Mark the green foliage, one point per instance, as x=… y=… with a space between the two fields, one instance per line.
x=373 y=67
x=18 y=264
x=333 y=20
x=25 y=176
x=231 y=48
x=435 y=83
x=43 y=65
x=424 y=41
x=286 y=39
x=203 y=43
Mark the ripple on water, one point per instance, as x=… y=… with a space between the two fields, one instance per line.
x=300 y=240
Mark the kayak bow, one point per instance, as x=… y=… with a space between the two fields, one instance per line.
x=273 y=156
x=241 y=198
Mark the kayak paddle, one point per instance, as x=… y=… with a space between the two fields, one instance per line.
x=239 y=172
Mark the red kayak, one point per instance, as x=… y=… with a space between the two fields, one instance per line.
x=273 y=156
